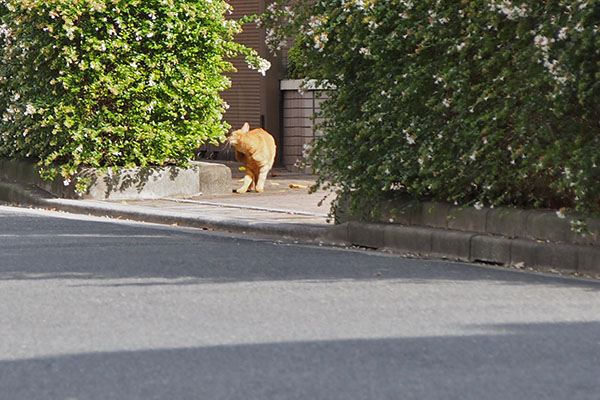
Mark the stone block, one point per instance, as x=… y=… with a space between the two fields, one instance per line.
x=399 y=212
x=213 y=178
x=556 y=256
x=337 y=234
x=468 y=219
x=494 y=249
x=297 y=122
x=306 y=113
x=589 y=260
x=294 y=100
x=544 y=225
x=523 y=252
x=366 y=234
x=591 y=235
x=508 y=222
x=144 y=183
x=434 y=215
x=409 y=238
x=452 y=244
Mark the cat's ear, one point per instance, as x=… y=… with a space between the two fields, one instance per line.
x=245 y=128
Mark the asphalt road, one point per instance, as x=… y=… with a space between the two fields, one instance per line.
x=99 y=310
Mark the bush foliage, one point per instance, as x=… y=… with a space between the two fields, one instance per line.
x=474 y=102
x=110 y=83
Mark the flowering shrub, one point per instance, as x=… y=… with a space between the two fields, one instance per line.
x=474 y=102
x=110 y=83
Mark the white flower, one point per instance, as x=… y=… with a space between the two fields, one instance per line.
x=306 y=150
x=542 y=42
x=263 y=66
x=478 y=205
x=30 y=109
x=562 y=34
x=407 y=3
x=511 y=11
x=409 y=138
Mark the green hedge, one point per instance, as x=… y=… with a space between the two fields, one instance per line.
x=111 y=83
x=470 y=102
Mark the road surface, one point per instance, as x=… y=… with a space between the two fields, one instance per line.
x=98 y=309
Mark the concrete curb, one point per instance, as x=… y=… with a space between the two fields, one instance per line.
x=128 y=183
x=529 y=238
x=471 y=246
x=544 y=225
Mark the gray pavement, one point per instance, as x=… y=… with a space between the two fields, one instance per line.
x=287 y=210
x=286 y=199
x=98 y=309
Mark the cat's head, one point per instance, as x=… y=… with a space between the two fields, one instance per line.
x=236 y=136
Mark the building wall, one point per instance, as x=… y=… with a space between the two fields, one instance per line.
x=244 y=96
x=299 y=108
x=270 y=102
x=252 y=98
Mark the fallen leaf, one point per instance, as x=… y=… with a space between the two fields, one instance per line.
x=274 y=184
x=295 y=186
x=242 y=168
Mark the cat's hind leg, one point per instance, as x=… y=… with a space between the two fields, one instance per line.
x=248 y=180
x=254 y=180
x=262 y=177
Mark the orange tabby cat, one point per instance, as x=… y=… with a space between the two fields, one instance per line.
x=256 y=149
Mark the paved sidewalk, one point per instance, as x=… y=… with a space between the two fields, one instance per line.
x=286 y=199
x=285 y=209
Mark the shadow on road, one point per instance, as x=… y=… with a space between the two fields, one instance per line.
x=523 y=362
